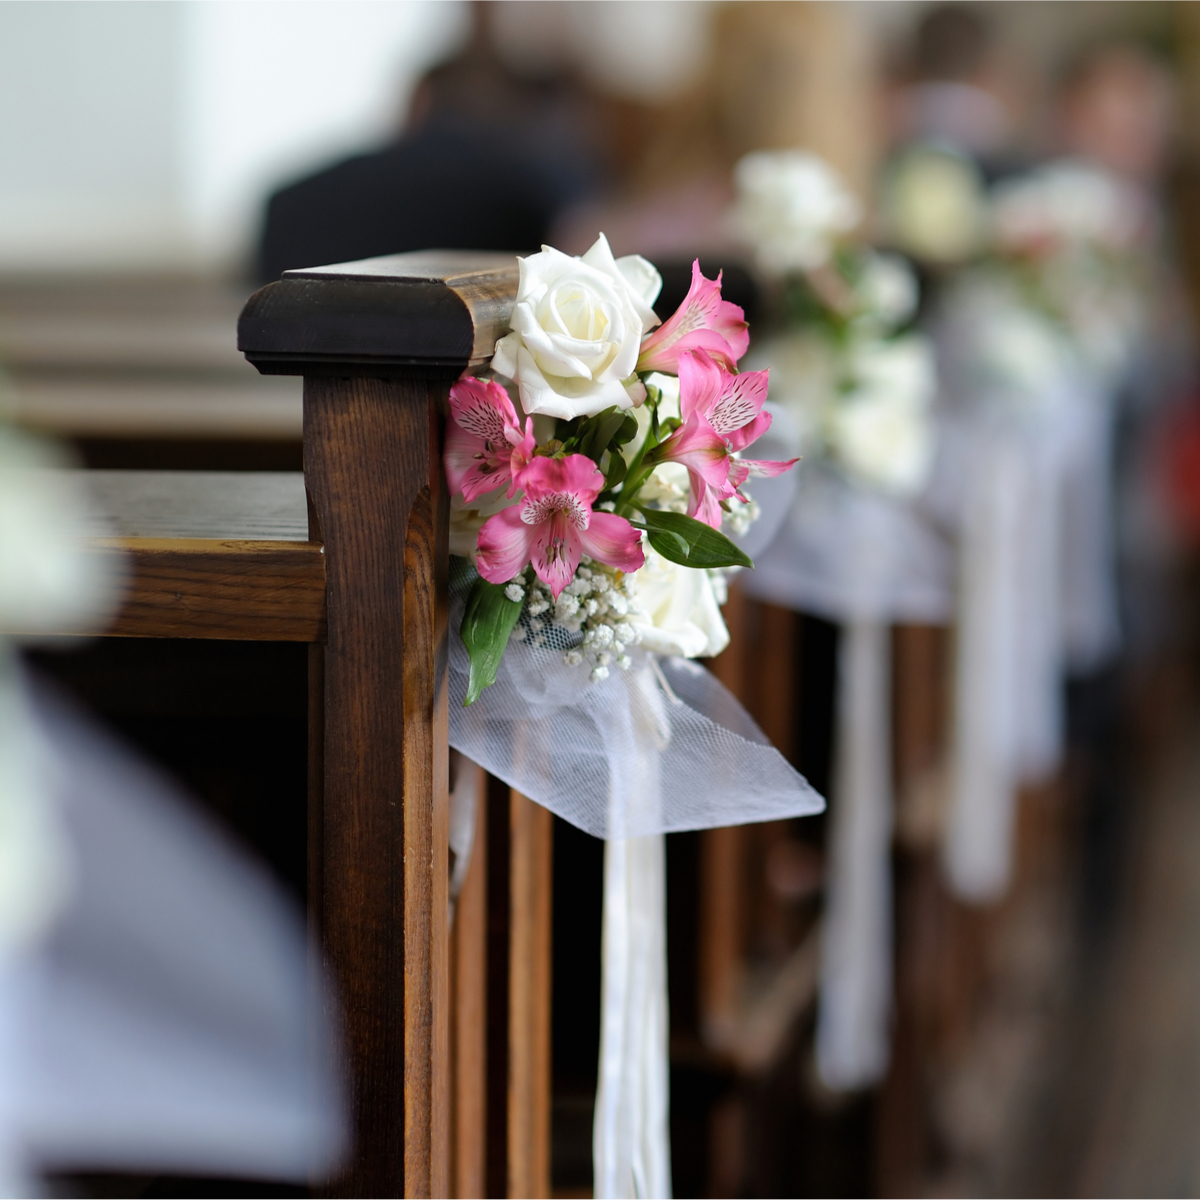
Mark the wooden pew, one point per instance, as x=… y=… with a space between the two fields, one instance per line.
x=352 y=560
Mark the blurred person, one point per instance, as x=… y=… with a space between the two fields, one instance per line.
x=486 y=162
x=779 y=76
x=1114 y=108
x=951 y=125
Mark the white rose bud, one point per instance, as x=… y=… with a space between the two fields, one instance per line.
x=677 y=610
x=577 y=329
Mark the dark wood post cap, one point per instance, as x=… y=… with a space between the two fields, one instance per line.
x=432 y=312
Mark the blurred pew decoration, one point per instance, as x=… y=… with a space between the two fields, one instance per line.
x=856 y=386
x=157 y=1006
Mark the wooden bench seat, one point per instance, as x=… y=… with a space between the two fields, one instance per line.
x=212 y=554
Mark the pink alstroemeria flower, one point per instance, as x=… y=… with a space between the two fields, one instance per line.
x=722 y=414
x=554 y=525
x=702 y=322
x=484 y=443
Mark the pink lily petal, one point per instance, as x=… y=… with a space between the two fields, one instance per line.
x=740 y=404
x=461 y=456
x=482 y=407
x=504 y=546
x=557 y=546
x=700 y=448
x=701 y=381
x=741 y=469
x=704 y=504
x=575 y=474
x=482 y=433
x=611 y=539
x=702 y=322
x=522 y=453
x=739 y=439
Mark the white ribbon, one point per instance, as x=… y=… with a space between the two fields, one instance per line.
x=631 y=1140
x=854 y=1006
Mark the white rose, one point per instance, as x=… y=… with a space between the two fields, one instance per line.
x=577 y=328
x=676 y=610
x=881 y=430
x=791 y=207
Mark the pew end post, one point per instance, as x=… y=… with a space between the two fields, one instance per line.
x=378 y=343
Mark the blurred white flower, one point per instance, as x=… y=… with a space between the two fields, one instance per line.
x=1068 y=205
x=675 y=610
x=886 y=291
x=577 y=329
x=804 y=370
x=880 y=430
x=791 y=208
x=1022 y=349
x=50 y=582
x=934 y=206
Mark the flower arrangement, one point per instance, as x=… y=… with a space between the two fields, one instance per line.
x=1071 y=240
x=855 y=378
x=618 y=459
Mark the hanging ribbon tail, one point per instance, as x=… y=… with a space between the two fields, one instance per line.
x=1008 y=703
x=630 y=1139
x=855 y=1002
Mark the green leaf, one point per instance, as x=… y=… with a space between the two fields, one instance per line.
x=691 y=543
x=598 y=432
x=486 y=625
x=627 y=432
x=616 y=470
x=671 y=545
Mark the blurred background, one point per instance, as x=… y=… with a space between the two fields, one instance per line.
x=160 y=161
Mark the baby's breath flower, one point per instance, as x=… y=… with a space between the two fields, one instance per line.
x=515 y=592
x=572 y=658
x=599 y=673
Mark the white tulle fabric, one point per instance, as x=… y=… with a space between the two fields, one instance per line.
x=865 y=560
x=660 y=748
x=1024 y=482
x=848 y=553
x=855 y=1002
x=656 y=749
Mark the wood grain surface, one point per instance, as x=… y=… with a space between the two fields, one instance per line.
x=207 y=588
x=373 y=469
x=264 y=506
x=530 y=979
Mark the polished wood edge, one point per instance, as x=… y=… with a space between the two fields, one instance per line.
x=387 y=317
x=233 y=547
